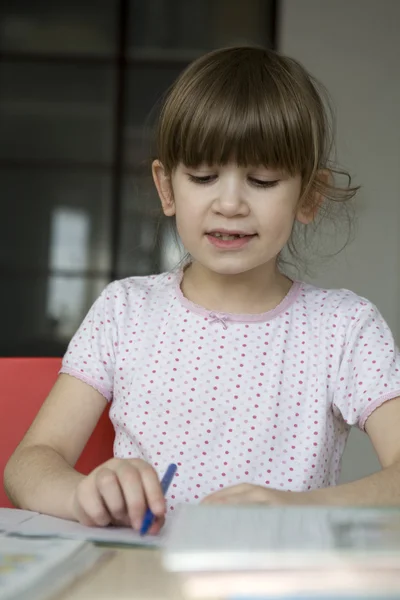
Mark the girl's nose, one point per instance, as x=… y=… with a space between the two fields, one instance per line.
x=230 y=201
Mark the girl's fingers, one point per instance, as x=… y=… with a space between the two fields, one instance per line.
x=82 y=516
x=90 y=508
x=112 y=495
x=143 y=477
x=121 y=495
x=246 y=494
x=153 y=491
x=156 y=526
x=129 y=478
x=225 y=493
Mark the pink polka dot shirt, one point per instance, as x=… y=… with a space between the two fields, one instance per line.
x=266 y=399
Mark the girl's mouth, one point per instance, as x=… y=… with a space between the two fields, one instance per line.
x=229 y=241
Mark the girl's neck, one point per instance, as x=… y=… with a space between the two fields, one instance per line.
x=252 y=292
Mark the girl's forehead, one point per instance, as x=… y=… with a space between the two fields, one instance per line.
x=221 y=142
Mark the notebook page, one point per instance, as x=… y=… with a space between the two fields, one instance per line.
x=11 y=517
x=45 y=526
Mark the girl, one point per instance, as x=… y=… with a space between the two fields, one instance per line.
x=248 y=380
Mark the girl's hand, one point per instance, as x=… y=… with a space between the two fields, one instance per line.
x=118 y=492
x=247 y=493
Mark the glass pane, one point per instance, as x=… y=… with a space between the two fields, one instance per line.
x=55 y=220
x=239 y=23
x=56 y=111
x=45 y=26
x=39 y=315
x=145 y=88
x=171 y=250
x=183 y=29
x=148 y=243
x=67 y=301
x=140 y=218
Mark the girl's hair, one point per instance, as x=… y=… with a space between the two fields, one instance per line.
x=252 y=106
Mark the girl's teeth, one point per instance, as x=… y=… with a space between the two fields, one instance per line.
x=226 y=238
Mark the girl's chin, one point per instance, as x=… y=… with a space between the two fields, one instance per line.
x=231 y=266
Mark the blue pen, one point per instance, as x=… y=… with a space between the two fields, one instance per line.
x=165 y=483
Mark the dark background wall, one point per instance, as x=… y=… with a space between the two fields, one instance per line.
x=79 y=87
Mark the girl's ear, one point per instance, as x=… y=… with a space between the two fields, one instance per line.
x=164 y=188
x=309 y=207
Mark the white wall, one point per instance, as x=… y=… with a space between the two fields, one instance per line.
x=353 y=47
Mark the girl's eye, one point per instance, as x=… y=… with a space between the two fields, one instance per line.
x=263 y=184
x=260 y=183
x=202 y=179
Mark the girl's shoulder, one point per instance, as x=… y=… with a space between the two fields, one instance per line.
x=143 y=285
x=334 y=302
x=121 y=296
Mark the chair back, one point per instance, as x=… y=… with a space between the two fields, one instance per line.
x=24 y=385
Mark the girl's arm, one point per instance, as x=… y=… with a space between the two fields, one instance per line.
x=382 y=488
x=40 y=475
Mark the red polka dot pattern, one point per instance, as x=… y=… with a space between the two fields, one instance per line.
x=266 y=399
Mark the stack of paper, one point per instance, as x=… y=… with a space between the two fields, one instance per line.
x=225 y=551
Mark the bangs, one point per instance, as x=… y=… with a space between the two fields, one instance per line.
x=249 y=109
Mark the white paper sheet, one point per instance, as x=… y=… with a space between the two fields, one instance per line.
x=11 y=517
x=37 y=525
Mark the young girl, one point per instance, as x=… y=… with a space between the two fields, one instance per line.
x=248 y=380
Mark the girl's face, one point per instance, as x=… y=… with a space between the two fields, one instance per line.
x=230 y=219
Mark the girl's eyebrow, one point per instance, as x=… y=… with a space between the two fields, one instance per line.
x=200 y=168
x=272 y=172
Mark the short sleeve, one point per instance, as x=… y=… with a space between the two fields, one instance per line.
x=91 y=352
x=369 y=372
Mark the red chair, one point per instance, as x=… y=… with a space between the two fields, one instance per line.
x=24 y=385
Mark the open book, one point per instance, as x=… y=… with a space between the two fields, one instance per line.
x=292 y=552
x=32 y=569
x=250 y=538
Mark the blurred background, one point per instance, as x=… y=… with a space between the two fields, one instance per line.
x=80 y=83
x=79 y=86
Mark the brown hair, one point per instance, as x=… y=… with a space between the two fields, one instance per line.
x=252 y=106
